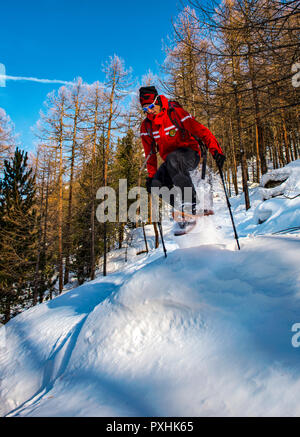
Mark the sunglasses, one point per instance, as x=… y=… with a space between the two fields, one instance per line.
x=146 y=108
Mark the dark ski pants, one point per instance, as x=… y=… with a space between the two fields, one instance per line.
x=175 y=172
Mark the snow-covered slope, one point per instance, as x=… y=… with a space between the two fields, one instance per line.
x=206 y=331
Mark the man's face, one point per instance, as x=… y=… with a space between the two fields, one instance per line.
x=153 y=108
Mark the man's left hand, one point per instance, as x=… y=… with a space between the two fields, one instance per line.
x=220 y=159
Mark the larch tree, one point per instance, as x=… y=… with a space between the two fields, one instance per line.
x=7 y=137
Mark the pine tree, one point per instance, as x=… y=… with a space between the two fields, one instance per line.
x=87 y=239
x=126 y=166
x=18 y=235
x=126 y=160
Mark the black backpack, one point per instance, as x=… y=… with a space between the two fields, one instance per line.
x=183 y=132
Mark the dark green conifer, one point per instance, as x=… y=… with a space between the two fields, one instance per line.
x=18 y=234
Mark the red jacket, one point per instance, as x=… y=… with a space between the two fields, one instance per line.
x=161 y=128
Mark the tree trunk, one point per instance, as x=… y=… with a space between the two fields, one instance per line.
x=60 y=202
x=242 y=152
x=37 y=265
x=7 y=312
x=234 y=168
x=70 y=201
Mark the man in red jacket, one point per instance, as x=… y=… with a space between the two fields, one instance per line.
x=175 y=141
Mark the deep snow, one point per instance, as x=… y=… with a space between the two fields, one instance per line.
x=205 y=332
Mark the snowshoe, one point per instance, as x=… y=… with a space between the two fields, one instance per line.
x=185 y=223
x=183 y=227
x=179 y=216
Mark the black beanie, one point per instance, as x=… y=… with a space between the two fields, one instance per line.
x=147 y=94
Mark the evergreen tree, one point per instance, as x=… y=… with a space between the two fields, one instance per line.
x=126 y=166
x=18 y=235
x=84 y=259
x=126 y=160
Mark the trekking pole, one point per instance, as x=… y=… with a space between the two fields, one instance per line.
x=145 y=238
x=146 y=160
x=229 y=207
x=204 y=164
x=128 y=237
x=145 y=163
x=161 y=233
x=162 y=238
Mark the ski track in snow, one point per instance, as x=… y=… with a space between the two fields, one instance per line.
x=204 y=332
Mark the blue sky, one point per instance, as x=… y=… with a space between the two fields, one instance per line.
x=70 y=38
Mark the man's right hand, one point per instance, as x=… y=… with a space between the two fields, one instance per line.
x=149 y=184
x=220 y=159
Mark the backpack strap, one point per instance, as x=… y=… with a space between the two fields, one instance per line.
x=174 y=119
x=149 y=129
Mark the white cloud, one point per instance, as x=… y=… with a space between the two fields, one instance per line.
x=33 y=79
x=4 y=77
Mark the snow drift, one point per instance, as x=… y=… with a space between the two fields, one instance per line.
x=206 y=331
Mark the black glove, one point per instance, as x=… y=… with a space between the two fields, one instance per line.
x=220 y=159
x=149 y=184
